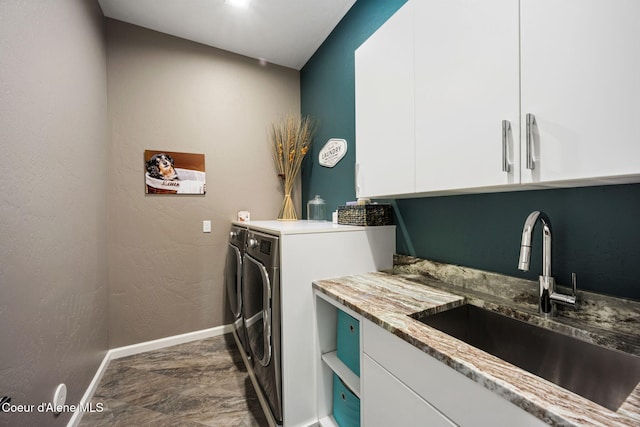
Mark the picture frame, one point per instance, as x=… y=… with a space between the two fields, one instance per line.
x=170 y=172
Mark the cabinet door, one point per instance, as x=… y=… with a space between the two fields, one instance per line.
x=460 y=399
x=466 y=84
x=388 y=402
x=384 y=109
x=580 y=80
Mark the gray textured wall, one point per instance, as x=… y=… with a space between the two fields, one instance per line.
x=165 y=93
x=53 y=213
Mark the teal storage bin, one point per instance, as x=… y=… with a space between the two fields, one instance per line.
x=348 y=341
x=346 y=405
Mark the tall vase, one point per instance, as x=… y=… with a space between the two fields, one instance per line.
x=287 y=211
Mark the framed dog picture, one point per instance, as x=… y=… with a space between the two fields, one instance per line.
x=167 y=172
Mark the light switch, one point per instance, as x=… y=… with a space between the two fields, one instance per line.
x=206 y=226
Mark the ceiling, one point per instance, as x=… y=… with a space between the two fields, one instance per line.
x=283 y=32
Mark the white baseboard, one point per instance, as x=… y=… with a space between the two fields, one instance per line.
x=88 y=394
x=129 y=350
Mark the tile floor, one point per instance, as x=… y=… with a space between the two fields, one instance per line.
x=189 y=385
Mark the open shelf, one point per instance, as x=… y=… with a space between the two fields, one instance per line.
x=328 y=421
x=350 y=379
x=328 y=363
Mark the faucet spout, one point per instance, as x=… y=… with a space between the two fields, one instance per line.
x=525 y=245
x=548 y=297
x=547 y=285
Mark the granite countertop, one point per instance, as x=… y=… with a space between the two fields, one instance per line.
x=387 y=298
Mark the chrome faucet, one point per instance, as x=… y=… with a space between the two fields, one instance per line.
x=548 y=295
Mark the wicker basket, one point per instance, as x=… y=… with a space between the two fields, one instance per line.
x=365 y=215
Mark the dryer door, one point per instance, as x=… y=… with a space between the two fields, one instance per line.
x=256 y=297
x=233 y=279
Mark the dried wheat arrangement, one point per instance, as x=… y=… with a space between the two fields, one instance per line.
x=290 y=141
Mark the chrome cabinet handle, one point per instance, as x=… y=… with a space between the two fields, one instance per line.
x=506 y=127
x=531 y=121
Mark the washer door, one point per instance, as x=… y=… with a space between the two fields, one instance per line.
x=233 y=279
x=256 y=296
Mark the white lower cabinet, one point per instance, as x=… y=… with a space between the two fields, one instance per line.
x=388 y=402
x=400 y=385
x=426 y=387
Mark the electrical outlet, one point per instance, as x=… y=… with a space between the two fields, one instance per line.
x=59 y=397
x=206 y=226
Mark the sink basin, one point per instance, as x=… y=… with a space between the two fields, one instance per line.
x=602 y=375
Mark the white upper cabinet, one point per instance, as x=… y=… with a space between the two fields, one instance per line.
x=466 y=85
x=458 y=96
x=384 y=70
x=580 y=66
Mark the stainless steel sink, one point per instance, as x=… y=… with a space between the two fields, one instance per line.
x=599 y=374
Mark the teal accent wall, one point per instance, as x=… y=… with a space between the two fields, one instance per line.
x=596 y=230
x=327 y=88
x=596 y=233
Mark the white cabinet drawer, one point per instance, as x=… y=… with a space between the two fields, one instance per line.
x=388 y=402
x=462 y=400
